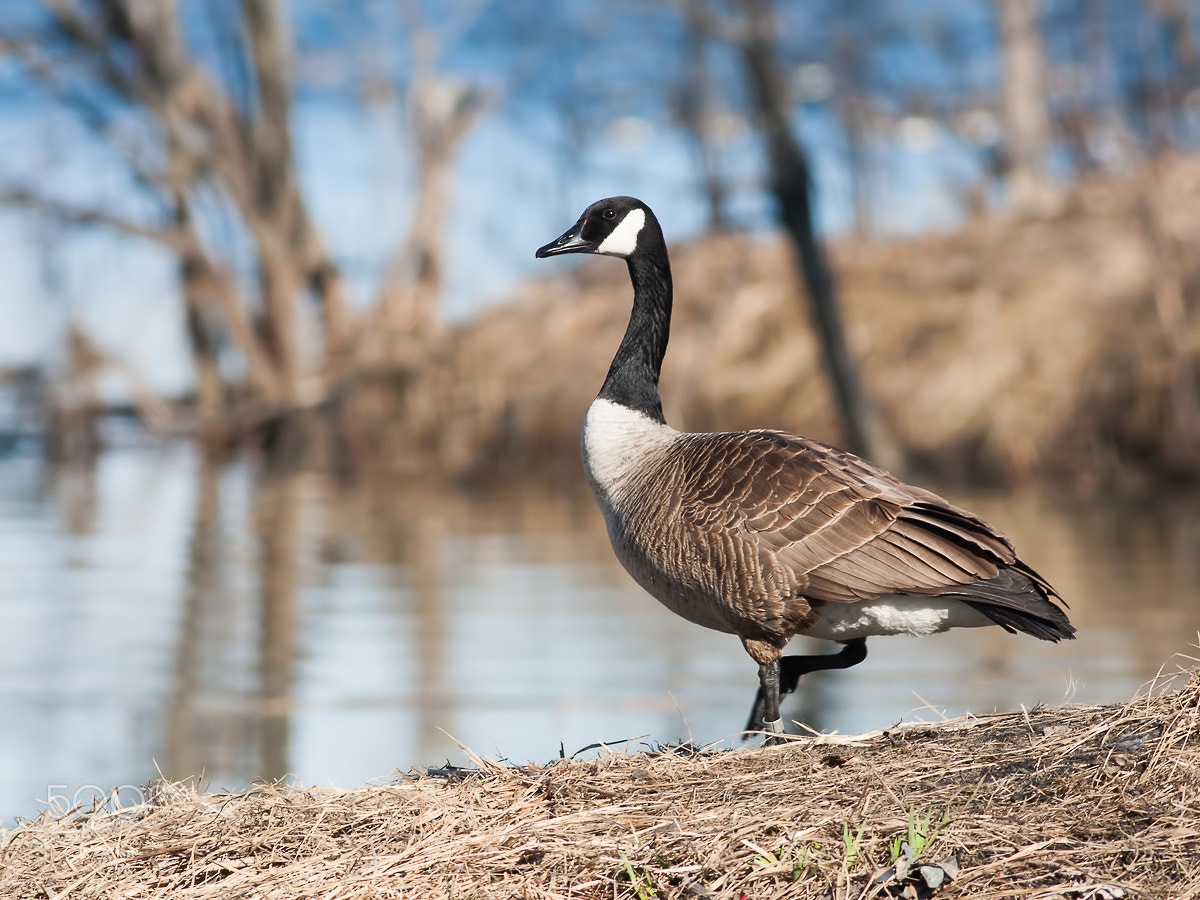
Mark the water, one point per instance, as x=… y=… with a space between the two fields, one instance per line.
x=161 y=617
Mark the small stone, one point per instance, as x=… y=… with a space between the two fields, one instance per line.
x=950 y=866
x=932 y=875
x=1130 y=743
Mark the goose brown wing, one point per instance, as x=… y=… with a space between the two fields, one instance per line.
x=833 y=526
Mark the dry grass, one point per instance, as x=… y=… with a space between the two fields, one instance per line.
x=1082 y=803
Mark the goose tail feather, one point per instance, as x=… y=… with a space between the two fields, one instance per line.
x=1019 y=600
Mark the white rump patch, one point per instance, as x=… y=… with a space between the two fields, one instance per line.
x=623 y=240
x=894 y=615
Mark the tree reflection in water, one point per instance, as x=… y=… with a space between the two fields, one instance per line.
x=300 y=626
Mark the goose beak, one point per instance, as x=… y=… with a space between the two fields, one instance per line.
x=570 y=242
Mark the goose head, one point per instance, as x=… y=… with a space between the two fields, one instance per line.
x=616 y=226
x=625 y=227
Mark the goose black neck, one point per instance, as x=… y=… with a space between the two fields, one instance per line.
x=633 y=376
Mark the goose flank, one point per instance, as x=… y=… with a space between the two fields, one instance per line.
x=768 y=535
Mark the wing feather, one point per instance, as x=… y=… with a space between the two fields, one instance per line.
x=821 y=517
x=765 y=524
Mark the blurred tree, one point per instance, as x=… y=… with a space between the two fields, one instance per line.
x=695 y=108
x=198 y=103
x=1023 y=96
x=116 y=59
x=849 y=64
x=789 y=177
x=441 y=111
x=909 y=116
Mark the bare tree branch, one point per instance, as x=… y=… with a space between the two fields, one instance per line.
x=75 y=215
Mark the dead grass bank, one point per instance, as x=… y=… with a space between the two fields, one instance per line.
x=1083 y=803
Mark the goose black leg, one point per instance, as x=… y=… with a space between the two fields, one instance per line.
x=766 y=704
x=782 y=676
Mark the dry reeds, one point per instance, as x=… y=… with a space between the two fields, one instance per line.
x=1062 y=348
x=1080 y=803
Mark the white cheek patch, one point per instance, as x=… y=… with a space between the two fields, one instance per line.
x=623 y=240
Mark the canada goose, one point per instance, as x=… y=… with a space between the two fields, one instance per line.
x=766 y=534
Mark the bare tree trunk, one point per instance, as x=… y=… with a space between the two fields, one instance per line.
x=210 y=391
x=204 y=346
x=273 y=205
x=75 y=410
x=280 y=290
x=1181 y=441
x=694 y=112
x=327 y=287
x=791 y=185
x=442 y=111
x=1023 y=98
x=442 y=114
x=852 y=107
x=300 y=262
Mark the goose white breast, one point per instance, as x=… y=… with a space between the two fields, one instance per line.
x=617 y=443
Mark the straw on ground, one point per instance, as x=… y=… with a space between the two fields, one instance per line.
x=1081 y=802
